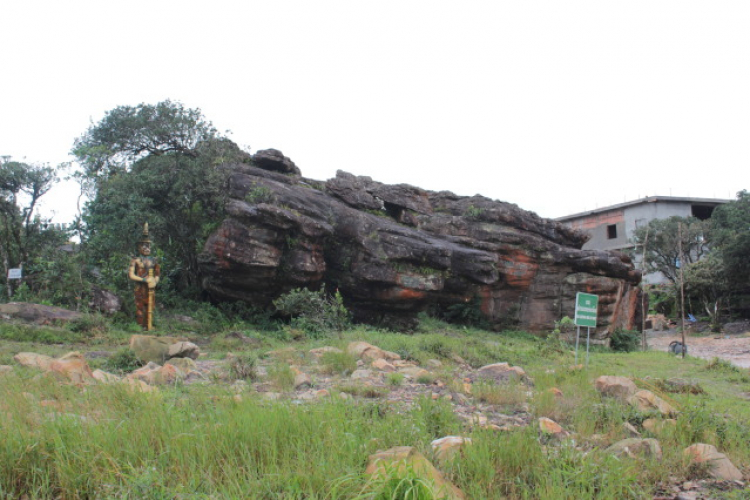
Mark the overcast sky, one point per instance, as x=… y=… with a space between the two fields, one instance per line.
x=556 y=106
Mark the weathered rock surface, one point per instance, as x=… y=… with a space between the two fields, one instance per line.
x=501 y=373
x=104 y=301
x=636 y=447
x=620 y=388
x=719 y=464
x=393 y=250
x=150 y=348
x=647 y=401
x=551 y=428
x=73 y=367
x=370 y=352
x=37 y=313
x=448 y=447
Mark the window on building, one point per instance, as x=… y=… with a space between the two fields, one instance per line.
x=611 y=231
x=701 y=212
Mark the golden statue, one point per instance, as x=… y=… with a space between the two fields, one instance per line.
x=145 y=271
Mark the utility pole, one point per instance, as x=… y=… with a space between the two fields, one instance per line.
x=682 y=286
x=644 y=292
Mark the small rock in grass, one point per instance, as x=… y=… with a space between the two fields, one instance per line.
x=620 y=388
x=719 y=464
x=636 y=447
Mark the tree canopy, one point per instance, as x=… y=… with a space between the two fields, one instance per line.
x=129 y=133
x=156 y=164
x=24 y=236
x=663 y=249
x=731 y=236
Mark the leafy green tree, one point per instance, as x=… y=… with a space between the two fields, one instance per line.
x=155 y=163
x=129 y=133
x=24 y=236
x=707 y=283
x=663 y=249
x=731 y=237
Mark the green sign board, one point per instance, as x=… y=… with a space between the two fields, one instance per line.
x=586 y=307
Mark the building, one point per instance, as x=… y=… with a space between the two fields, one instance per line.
x=611 y=228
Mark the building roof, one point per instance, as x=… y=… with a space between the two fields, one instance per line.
x=641 y=201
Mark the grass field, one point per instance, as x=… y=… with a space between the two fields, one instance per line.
x=199 y=441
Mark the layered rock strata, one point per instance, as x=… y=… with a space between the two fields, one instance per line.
x=394 y=250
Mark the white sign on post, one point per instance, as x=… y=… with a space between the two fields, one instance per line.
x=15 y=273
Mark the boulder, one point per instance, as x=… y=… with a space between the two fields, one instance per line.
x=275 y=161
x=301 y=379
x=719 y=465
x=73 y=367
x=620 y=388
x=154 y=374
x=551 y=428
x=104 y=301
x=445 y=449
x=401 y=459
x=501 y=373
x=369 y=352
x=37 y=313
x=383 y=365
x=647 y=401
x=395 y=250
x=636 y=447
x=151 y=349
x=183 y=350
x=5 y=369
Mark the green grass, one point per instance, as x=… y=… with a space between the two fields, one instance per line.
x=198 y=442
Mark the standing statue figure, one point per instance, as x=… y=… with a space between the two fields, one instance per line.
x=145 y=271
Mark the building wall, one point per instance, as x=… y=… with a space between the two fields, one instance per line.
x=625 y=220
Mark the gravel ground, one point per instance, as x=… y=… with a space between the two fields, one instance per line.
x=734 y=348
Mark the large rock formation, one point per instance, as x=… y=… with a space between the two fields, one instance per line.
x=392 y=250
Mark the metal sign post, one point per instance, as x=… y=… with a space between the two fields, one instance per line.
x=587 y=305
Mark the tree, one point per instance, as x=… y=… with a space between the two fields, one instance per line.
x=155 y=163
x=662 y=251
x=731 y=237
x=129 y=133
x=23 y=234
x=706 y=282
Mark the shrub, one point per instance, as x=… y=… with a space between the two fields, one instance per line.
x=122 y=361
x=317 y=313
x=465 y=313
x=89 y=324
x=395 y=379
x=625 y=340
x=242 y=366
x=338 y=362
x=281 y=376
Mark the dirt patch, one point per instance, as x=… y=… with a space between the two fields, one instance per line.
x=732 y=348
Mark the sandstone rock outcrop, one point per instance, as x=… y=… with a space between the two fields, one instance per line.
x=394 y=250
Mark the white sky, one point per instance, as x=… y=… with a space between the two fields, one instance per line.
x=558 y=106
